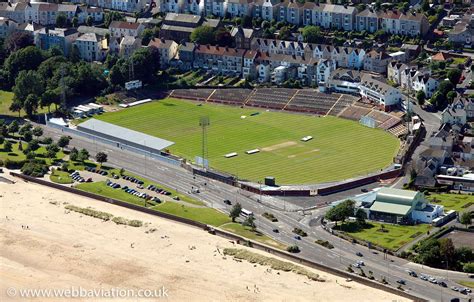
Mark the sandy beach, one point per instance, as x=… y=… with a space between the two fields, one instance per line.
x=42 y=245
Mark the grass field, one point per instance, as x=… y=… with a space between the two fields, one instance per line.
x=61 y=177
x=16 y=155
x=340 y=148
x=6 y=99
x=394 y=238
x=203 y=215
x=457 y=202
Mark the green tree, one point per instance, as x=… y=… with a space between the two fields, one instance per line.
x=33 y=145
x=83 y=155
x=421 y=97
x=101 y=157
x=13 y=127
x=28 y=58
x=450 y=96
x=2 y=140
x=37 y=131
x=447 y=251
x=16 y=106
x=361 y=216
x=147 y=35
x=311 y=34
x=89 y=21
x=7 y=146
x=18 y=40
x=113 y=16
x=250 y=222
x=74 y=54
x=284 y=33
x=28 y=83
x=50 y=97
x=341 y=211
x=74 y=155
x=223 y=37
x=203 y=35
x=63 y=141
x=145 y=63
x=235 y=211
x=75 y=22
x=465 y=218
x=454 y=75
x=31 y=104
x=61 y=20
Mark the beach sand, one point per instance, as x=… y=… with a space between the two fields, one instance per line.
x=62 y=249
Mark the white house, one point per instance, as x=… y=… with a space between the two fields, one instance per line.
x=91 y=46
x=379 y=92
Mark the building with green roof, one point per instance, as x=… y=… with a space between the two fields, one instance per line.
x=402 y=206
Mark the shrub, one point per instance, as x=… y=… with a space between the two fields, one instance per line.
x=325 y=243
x=35 y=168
x=270 y=217
x=293 y=249
x=90 y=212
x=468 y=267
x=300 y=232
x=47 y=141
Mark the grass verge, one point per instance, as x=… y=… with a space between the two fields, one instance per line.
x=60 y=177
x=457 y=202
x=203 y=215
x=247 y=232
x=389 y=236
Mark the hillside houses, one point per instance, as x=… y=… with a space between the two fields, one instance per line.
x=410 y=78
x=327 y=16
x=44 y=13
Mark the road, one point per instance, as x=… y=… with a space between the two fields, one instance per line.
x=213 y=193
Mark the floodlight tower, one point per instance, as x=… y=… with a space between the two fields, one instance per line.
x=204 y=123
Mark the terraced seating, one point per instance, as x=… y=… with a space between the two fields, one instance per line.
x=379 y=116
x=310 y=100
x=393 y=121
x=399 y=130
x=355 y=113
x=192 y=94
x=342 y=103
x=230 y=96
x=270 y=97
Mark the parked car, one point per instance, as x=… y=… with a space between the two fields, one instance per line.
x=402 y=282
x=276 y=231
x=356 y=265
x=359 y=254
x=361 y=263
x=442 y=283
x=297 y=237
x=226 y=201
x=455 y=288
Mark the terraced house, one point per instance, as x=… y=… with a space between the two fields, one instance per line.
x=239 y=8
x=218 y=59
